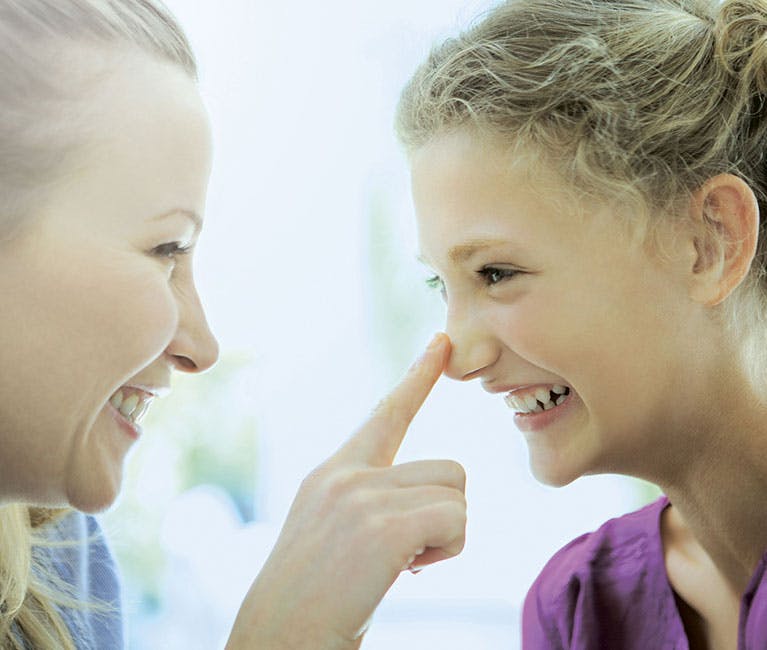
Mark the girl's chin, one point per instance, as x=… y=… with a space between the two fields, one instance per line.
x=554 y=472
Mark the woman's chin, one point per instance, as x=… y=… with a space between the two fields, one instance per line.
x=94 y=498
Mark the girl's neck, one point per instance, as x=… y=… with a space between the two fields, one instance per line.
x=718 y=489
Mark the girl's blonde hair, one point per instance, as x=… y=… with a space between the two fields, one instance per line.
x=639 y=99
x=43 y=122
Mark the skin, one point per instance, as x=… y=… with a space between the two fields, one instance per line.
x=660 y=391
x=356 y=523
x=93 y=304
x=94 y=298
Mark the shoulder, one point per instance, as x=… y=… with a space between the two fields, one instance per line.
x=80 y=555
x=591 y=575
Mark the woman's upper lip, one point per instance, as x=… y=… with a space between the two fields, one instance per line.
x=155 y=390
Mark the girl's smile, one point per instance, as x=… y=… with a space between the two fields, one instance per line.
x=548 y=293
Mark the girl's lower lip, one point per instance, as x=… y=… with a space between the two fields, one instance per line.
x=131 y=429
x=529 y=422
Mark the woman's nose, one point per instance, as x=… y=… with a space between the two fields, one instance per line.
x=194 y=348
x=474 y=348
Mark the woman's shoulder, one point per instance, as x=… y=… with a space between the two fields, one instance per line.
x=597 y=577
x=79 y=553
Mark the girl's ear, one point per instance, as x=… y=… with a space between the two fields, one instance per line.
x=725 y=217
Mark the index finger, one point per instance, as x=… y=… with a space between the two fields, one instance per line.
x=377 y=441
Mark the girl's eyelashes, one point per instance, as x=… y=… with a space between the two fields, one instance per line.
x=435 y=283
x=489 y=275
x=493 y=275
x=171 y=250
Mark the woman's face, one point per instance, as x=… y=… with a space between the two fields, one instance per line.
x=545 y=302
x=98 y=303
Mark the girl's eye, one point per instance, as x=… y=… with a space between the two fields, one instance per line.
x=435 y=282
x=492 y=275
x=171 y=250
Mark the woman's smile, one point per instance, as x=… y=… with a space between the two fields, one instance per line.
x=129 y=405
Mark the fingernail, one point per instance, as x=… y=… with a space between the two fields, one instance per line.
x=414 y=570
x=435 y=341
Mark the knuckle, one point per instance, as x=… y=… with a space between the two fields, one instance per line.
x=455 y=517
x=314 y=479
x=339 y=492
x=345 y=486
x=392 y=414
x=458 y=545
x=385 y=409
x=457 y=474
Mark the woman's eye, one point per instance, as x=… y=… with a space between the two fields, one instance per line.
x=492 y=275
x=171 y=250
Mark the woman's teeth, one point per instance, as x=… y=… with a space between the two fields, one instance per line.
x=541 y=400
x=133 y=407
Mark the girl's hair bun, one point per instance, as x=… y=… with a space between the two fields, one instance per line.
x=741 y=42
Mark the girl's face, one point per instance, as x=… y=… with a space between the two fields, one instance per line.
x=99 y=302
x=541 y=297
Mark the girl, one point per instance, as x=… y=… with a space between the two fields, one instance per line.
x=104 y=163
x=588 y=179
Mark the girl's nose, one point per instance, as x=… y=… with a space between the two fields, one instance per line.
x=474 y=348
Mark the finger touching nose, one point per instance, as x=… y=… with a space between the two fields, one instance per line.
x=377 y=441
x=194 y=348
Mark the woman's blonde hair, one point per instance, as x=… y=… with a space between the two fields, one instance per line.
x=44 y=112
x=639 y=99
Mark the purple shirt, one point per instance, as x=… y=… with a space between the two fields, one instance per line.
x=609 y=589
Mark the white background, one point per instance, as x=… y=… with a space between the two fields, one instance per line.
x=302 y=96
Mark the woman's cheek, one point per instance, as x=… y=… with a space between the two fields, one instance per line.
x=151 y=318
x=159 y=318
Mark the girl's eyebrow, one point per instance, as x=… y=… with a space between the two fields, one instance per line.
x=462 y=252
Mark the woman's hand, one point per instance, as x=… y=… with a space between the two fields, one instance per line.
x=356 y=523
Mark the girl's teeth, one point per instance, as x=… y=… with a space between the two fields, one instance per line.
x=542 y=400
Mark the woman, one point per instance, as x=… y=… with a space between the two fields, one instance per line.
x=104 y=163
x=588 y=179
